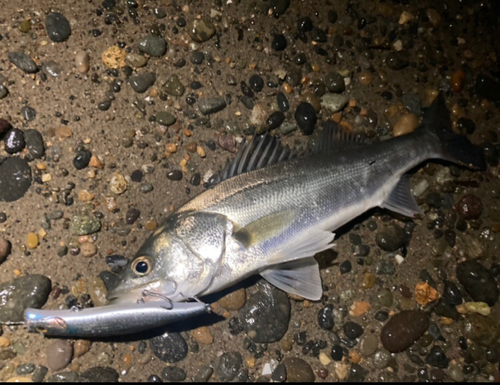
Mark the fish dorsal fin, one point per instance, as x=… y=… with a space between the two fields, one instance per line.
x=401 y=200
x=261 y=151
x=334 y=137
x=265 y=228
x=297 y=277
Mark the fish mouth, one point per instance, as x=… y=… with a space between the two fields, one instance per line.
x=146 y=293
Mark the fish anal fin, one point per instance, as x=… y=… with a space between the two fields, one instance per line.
x=299 y=277
x=401 y=200
x=264 y=228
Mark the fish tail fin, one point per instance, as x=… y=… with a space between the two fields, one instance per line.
x=453 y=147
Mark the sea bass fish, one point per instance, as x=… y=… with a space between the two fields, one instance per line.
x=272 y=212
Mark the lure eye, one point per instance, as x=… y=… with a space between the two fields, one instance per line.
x=142 y=266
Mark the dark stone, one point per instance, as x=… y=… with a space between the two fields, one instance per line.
x=211 y=105
x=28 y=113
x=478 y=282
x=173 y=374
x=275 y=120
x=391 y=238
x=437 y=358
x=155 y=46
x=169 y=347
x=335 y=82
x=14 y=141
x=279 y=374
x=57 y=27
x=451 y=294
x=175 y=175
x=306 y=118
x=279 y=43
x=246 y=90
x=23 y=62
x=397 y=60
x=99 y=374
x=470 y=207
x=197 y=57
x=256 y=83
x=34 y=143
x=228 y=366
x=283 y=104
x=325 y=317
x=142 y=82
x=403 y=329
x=353 y=330
x=82 y=159
x=131 y=216
x=15 y=179
x=298 y=370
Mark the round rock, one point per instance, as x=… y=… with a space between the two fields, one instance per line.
x=391 y=238
x=155 y=46
x=403 y=329
x=470 y=207
x=28 y=113
x=15 y=179
x=142 y=82
x=173 y=374
x=266 y=314
x=228 y=366
x=325 y=317
x=99 y=374
x=59 y=354
x=5 y=248
x=34 y=143
x=201 y=30
x=306 y=118
x=23 y=62
x=298 y=370
x=57 y=27
x=14 y=141
x=169 y=347
x=478 y=282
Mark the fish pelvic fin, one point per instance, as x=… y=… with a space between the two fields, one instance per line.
x=300 y=277
x=401 y=200
x=454 y=148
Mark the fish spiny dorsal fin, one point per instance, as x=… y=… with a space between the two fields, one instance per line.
x=261 y=151
x=333 y=137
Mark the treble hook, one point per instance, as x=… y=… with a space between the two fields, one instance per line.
x=147 y=293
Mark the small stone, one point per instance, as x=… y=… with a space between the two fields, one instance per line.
x=165 y=118
x=28 y=113
x=82 y=159
x=131 y=216
x=64 y=377
x=85 y=196
x=95 y=162
x=211 y=105
x=5 y=248
x=368 y=345
x=118 y=184
x=88 y=249
x=275 y=120
x=81 y=347
x=234 y=300
x=82 y=61
x=228 y=366
x=324 y=359
x=365 y=78
x=298 y=370
x=32 y=241
x=136 y=60
x=406 y=123
x=478 y=282
x=99 y=374
x=306 y=118
x=333 y=103
x=480 y=329
x=406 y=17
x=203 y=335
x=114 y=57
x=397 y=60
x=335 y=82
x=203 y=374
x=283 y=103
x=200 y=30
x=84 y=225
x=57 y=27
x=437 y=358
x=279 y=42
x=325 y=317
x=169 y=347
x=457 y=80
x=173 y=374
x=478 y=307
x=173 y=86
x=359 y=308
x=59 y=354
x=142 y=82
x=197 y=57
x=155 y=46
x=256 y=83
x=425 y=294
x=279 y=374
x=403 y=329
x=23 y=62
x=4 y=91
x=14 y=141
x=391 y=238
x=353 y=330
x=469 y=207
x=34 y=143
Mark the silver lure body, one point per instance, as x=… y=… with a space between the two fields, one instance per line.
x=110 y=320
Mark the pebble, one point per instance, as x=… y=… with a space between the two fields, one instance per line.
x=333 y=103
x=14 y=141
x=34 y=143
x=306 y=118
x=203 y=335
x=403 y=329
x=59 y=354
x=82 y=159
x=32 y=241
x=353 y=330
x=81 y=347
x=469 y=207
x=114 y=57
x=478 y=282
x=27 y=368
x=406 y=123
x=425 y=294
x=279 y=42
x=4 y=91
x=173 y=86
x=279 y=374
x=368 y=345
x=165 y=118
x=480 y=329
x=169 y=347
x=457 y=80
x=397 y=60
x=234 y=300
x=155 y=46
x=84 y=224
x=88 y=249
x=298 y=370
x=283 y=103
x=64 y=377
x=99 y=374
x=325 y=317
x=142 y=82
x=117 y=184
x=335 y=82
x=256 y=83
x=28 y=113
x=228 y=366
x=266 y=314
x=279 y=7
x=175 y=175
x=82 y=61
x=211 y=105
x=200 y=30
x=23 y=62
x=275 y=120
x=197 y=57
x=437 y=358
x=381 y=359
x=131 y=216
x=57 y=27
x=391 y=237
x=173 y=374
x=136 y=60
x=5 y=249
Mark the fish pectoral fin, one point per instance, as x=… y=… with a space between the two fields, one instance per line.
x=297 y=277
x=401 y=200
x=264 y=228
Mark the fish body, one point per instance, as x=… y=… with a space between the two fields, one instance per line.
x=273 y=218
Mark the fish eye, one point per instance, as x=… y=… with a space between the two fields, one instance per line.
x=142 y=265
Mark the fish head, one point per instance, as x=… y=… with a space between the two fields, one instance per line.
x=176 y=262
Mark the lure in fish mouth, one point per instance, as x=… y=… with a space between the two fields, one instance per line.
x=272 y=211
